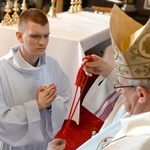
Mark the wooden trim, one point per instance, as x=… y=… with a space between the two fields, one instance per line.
x=102 y=9
x=140 y=7
x=59 y=6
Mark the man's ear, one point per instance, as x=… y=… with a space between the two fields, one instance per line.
x=142 y=94
x=19 y=36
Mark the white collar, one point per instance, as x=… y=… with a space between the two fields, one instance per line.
x=23 y=63
x=136 y=124
x=20 y=62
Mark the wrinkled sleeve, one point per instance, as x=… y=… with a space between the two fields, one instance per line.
x=101 y=94
x=21 y=124
x=62 y=103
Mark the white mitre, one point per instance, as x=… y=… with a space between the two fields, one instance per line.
x=131 y=43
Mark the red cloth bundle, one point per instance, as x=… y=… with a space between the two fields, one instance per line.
x=76 y=135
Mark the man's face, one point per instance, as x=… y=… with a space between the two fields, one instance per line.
x=34 y=40
x=129 y=95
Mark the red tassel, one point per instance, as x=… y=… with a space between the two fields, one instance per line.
x=80 y=75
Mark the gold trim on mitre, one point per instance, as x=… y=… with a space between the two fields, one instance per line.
x=131 y=43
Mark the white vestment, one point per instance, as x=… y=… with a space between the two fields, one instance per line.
x=109 y=129
x=121 y=131
x=134 y=135
x=102 y=96
x=22 y=125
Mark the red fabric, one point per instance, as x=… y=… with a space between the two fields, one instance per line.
x=76 y=135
